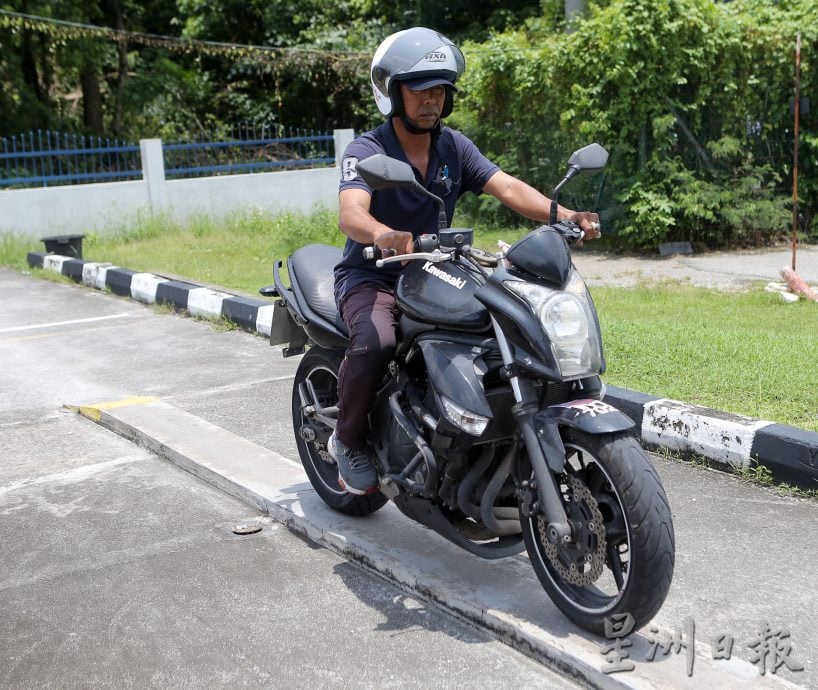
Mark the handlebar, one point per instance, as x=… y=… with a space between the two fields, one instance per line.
x=434 y=256
x=434 y=248
x=570 y=231
x=428 y=247
x=423 y=243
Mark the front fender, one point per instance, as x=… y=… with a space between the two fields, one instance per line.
x=591 y=416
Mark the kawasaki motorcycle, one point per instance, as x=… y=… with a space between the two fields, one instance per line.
x=490 y=426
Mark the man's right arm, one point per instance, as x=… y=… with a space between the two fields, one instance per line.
x=357 y=223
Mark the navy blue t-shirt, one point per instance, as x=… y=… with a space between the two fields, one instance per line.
x=456 y=166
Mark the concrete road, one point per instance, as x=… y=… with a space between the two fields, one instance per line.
x=744 y=555
x=118 y=569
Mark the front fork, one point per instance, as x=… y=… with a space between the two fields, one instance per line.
x=545 y=467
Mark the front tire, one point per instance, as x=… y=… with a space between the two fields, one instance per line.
x=625 y=568
x=320 y=366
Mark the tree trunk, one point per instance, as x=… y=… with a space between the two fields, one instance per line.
x=115 y=7
x=574 y=9
x=28 y=63
x=91 y=100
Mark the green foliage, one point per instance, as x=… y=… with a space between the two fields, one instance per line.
x=294 y=62
x=690 y=96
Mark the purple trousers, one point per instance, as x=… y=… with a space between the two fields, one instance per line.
x=371 y=316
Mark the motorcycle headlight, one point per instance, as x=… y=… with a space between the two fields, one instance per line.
x=567 y=319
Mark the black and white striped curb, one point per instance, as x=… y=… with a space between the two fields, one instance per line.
x=255 y=315
x=728 y=441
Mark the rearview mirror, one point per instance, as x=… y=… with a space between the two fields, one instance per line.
x=383 y=172
x=589 y=158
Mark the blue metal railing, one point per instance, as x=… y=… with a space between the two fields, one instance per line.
x=44 y=158
x=250 y=150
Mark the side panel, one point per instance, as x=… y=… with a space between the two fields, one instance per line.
x=285 y=330
x=453 y=373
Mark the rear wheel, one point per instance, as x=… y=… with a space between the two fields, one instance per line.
x=319 y=367
x=621 y=559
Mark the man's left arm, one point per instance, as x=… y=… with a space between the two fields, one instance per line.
x=528 y=202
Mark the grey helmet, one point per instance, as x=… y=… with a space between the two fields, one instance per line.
x=420 y=57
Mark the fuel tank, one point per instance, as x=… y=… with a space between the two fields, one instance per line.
x=441 y=294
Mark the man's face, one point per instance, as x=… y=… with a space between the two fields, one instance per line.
x=423 y=107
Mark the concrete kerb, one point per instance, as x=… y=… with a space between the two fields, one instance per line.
x=254 y=315
x=728 y=441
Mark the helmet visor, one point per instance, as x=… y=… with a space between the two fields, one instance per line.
x=423 y=83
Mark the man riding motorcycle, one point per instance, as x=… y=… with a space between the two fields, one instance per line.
x=413 y=76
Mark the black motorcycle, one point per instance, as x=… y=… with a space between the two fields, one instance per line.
x=490 y=425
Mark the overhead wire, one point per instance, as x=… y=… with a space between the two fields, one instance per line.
x=70 y=29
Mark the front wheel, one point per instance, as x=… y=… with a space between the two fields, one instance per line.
x=622 y=555
x=319 y=370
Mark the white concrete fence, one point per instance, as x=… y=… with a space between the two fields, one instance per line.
x=106 y=206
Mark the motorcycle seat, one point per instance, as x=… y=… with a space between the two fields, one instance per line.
x=312 y=268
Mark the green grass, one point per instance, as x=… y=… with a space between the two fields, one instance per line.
x=744 y=352
x=236 y=252
x=13 y=250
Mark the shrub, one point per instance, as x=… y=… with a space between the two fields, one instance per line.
x=691 y=98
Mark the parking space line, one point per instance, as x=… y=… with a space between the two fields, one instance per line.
x=53 y=324
x=228 y=387
x=75 y=474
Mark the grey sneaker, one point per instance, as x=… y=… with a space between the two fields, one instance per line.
x=356 y=473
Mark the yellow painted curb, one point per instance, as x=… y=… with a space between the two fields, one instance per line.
x=93 y=412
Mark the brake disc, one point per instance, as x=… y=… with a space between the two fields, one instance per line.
x=323 y=452
x=580 y=561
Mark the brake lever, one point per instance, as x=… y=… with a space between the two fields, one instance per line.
x=435 y=257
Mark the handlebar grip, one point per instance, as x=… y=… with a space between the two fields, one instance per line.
x=570 y=231
x=424 y=243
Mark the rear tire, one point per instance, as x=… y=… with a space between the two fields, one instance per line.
x=629 y=571
x=320 y=367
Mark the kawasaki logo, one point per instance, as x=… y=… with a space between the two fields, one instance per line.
x=459 y=283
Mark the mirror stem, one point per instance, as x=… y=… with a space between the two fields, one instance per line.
x=572 y=171
x=553 y=218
